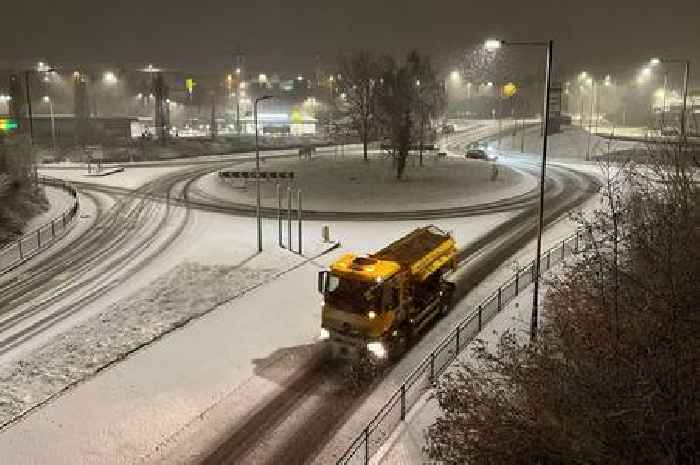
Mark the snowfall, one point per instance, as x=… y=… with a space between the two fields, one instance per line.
x=191 y=331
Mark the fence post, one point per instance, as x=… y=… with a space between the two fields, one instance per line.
x=479 y=317
x=19 y=243
x=499 y=299
x=517 y=277
x=38 y=238
x=432 y=367
x=367 y=445
x=457 y=351
x=63 y=220
x=562 y=250
x=403 y=401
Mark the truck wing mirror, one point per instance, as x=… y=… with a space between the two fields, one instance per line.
x=322 y=281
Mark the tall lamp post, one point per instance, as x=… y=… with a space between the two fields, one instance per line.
x=48 y=100
x=686 y=78
x=257 y=169
x=495 y=44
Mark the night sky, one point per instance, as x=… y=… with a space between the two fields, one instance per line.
x=284 y=35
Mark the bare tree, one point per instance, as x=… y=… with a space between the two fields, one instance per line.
x=615 y=374
x=361 y=74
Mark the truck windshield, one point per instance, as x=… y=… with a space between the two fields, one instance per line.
x=351 y=294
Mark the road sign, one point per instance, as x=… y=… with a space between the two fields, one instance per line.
x=8 y=125
x=252 y=174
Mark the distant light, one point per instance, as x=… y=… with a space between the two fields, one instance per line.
x=238 y=70
x=582 y=75
x=417 y=82
x=330 y=78
x=454 y=75
x=489 y=84
x=46 y=99
x=167 y=100
x=139 y=95
x=492 y=44
x=300 y=78
x=76 y=74
x=229 y=78
x=108 y=77
x=262 y=78
x=654 y=61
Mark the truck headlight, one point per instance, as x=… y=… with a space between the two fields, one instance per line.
x=324 y=334
x=377 y=349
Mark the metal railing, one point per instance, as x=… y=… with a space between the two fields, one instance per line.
x=28 y=245
x=424 y=375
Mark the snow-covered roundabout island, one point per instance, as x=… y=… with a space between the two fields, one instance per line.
x=346 y=183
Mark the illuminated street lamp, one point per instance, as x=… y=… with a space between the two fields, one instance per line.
x=108 y=77
x=48 y=100
x=454 y=75
x=257 y=168
x=494 y=44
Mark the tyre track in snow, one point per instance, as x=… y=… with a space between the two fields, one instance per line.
x=293 y=426
x=105 y=246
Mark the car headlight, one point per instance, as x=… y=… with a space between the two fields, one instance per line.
x=371 y=314
x=377 y=349
x=324 y=334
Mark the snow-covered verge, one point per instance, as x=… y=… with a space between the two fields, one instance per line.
x=187 y=291
x=406 y=444
x=17 y=206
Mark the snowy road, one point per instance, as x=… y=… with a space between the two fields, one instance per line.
x=289 y=392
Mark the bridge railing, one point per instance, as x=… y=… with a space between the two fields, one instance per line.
x=28 y=245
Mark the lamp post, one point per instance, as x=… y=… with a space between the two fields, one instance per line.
x=495 y=44
x=257 y=169
x=48 y=100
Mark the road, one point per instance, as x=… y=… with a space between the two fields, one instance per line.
x=316 y=400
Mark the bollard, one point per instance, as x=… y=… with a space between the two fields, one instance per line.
x=38 y=238
x=19 y=243
x=299 y=216
x=517 y=276
x=457 y=351
x=479 y=317
x=432 y=367
x=562 y=250
x=403 y=401
x=366 y=445
x=53 y=230
x=289 y=218
x=279 y=214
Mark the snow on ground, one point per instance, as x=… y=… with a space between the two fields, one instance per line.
x=354 y=425
x=59 y=201
x=140 y=406
x=331 y=183
x=570 y=144
x=406 y=444
x=187 y=291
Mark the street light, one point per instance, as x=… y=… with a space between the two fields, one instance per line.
x=686 y=78
x=493 y=44
x=48 y=100
x=257 y=168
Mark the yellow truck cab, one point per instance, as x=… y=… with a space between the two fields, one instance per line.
x=377 y=303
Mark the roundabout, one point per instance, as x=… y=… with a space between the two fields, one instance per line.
x=335 y=187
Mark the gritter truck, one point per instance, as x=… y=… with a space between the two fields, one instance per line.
x=376 y=304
